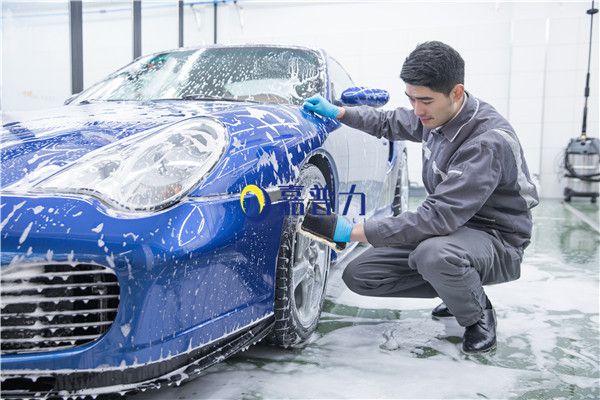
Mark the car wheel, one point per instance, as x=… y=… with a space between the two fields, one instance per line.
x=302 y=267
x=400 y=203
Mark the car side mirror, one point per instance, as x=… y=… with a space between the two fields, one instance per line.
x=363 y=96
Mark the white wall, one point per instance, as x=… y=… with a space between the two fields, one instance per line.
x=107 y=39
x=527 y=59
x=549 y=63
x=36 y=64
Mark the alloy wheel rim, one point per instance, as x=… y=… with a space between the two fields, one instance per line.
x=308 y=278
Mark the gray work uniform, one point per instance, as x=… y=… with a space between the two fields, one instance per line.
x=473 y=225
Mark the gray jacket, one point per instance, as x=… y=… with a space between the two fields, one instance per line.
x=474 y=172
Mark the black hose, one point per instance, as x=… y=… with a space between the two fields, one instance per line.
x=583 y=138
x=574 y=174
x=591 y=12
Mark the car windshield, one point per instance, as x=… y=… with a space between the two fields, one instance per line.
x=263 y=74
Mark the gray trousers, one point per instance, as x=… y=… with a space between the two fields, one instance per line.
x=453 y=267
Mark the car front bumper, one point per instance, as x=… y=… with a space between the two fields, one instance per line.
x=192 y=278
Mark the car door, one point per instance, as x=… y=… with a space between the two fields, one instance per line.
x=367 y=155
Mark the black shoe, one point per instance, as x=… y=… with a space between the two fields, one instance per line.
x=481 y=336
x=441 y=311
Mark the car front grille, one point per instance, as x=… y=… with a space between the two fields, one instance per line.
x=51 y=306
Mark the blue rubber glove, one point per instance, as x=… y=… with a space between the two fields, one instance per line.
x=343 y=229
x=318 y=104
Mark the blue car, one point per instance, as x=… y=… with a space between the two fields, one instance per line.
x=149 y=225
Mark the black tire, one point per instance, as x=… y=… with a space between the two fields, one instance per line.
x=292 y=325
x=400 y=202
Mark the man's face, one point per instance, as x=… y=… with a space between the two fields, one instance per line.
x=434 y=108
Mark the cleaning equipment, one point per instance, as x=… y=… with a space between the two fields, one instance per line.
x=582 y=155
x=582 y=164
x=325 y=228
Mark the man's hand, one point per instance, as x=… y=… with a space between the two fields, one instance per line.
x=331 y=229
x=318 y=104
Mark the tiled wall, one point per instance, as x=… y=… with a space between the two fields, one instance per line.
x=527 y=59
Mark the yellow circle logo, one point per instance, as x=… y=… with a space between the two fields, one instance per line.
x=258 y=192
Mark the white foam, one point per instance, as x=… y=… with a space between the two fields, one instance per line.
x=98 y=228
x=25 y=233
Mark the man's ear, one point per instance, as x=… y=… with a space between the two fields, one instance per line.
x=457 y=92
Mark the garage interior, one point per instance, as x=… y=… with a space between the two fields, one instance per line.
x=528 y=59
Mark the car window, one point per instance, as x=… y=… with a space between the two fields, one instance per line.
x=264 y=74
x=338 y=79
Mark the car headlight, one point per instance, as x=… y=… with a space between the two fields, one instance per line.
x=150 y=173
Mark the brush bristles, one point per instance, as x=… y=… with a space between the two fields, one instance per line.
x=333 y=245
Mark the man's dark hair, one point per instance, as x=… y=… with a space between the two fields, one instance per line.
x=434 y=65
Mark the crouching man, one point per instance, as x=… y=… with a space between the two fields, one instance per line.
x=475 y=222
